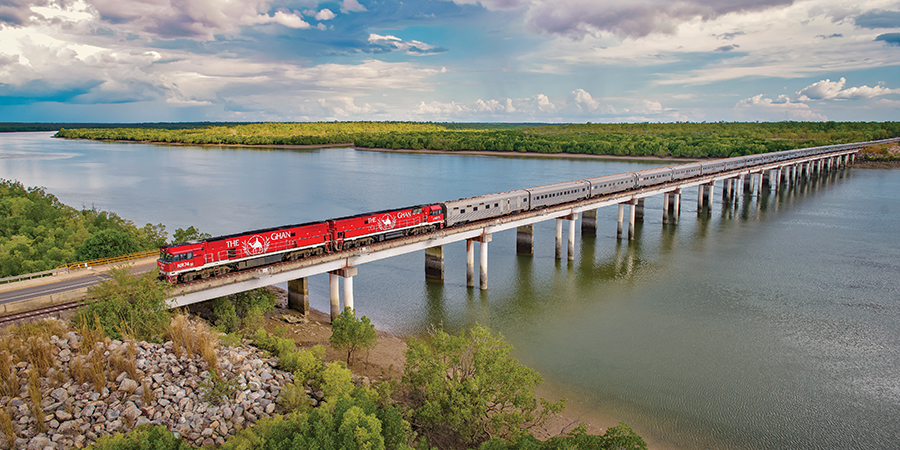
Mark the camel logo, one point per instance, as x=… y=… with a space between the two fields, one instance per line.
x=256 y=245
x=386 y=222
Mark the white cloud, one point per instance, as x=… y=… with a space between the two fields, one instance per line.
x=390 y=43
x=292 y=20
x=325 y=14
x=781 y=108
x=346 y=107
x=834 y=90
x=543 y=103
x=495 y=106
x=585 y=103
x=352 y=6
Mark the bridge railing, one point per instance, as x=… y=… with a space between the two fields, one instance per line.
x=113 y=260
x=28 y=276
x=79 y=265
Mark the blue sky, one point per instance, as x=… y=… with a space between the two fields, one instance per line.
x=449 y=60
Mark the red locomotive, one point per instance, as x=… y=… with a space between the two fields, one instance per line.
x=187 y=261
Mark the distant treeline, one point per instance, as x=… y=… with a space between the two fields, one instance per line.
x=6 y=127
x=694 y=140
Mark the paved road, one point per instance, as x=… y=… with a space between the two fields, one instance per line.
x=74 y=280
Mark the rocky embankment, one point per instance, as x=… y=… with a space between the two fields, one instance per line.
x=178 y=393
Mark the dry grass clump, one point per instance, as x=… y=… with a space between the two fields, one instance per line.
x=9 y=380
x=194 y=338
x=35 y=397
x=6 y=426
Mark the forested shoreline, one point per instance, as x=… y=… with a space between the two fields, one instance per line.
x=38 y=232
x=680 y=140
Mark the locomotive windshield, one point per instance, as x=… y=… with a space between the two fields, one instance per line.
x=166 y=257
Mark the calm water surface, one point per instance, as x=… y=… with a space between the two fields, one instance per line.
x=772 y=323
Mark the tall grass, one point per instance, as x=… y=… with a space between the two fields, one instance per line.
x=193 y=338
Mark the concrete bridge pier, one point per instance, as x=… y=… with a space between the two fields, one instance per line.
x=525 y=239
x=298 y=295
x=666 y=206
x=434 y=263
x=348 y=286
x=484 y=239
x=631 y=218
x=676 y=211
x=700 y=189
x=470 y=262
x=639 y=211
x=748 y=183
x=589 y=223
x=571 y=247
x=710 y=190
x=347 y=273
x=621 y=218
x=335 y=295
x=559 y=238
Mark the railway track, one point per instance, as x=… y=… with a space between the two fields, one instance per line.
x=40 y=313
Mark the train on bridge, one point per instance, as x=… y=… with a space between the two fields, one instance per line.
x=198 y=259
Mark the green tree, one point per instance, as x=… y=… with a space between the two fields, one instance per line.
x=128 y=303
x=466 y=389
x=189 y=234
x=152 y=236
x=107 y=244
x=144 y=437
x=351 y=334
x=620 y=437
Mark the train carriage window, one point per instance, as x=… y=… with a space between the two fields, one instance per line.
x=475 y=209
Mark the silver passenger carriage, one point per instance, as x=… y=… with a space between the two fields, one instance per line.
x=554 y=194
x=710 y=167
x=651 y=177
x=684 y=171
x=609 y=184
x=484 y=207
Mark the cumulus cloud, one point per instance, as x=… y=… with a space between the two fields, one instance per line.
x=290 y=20
x=346 y=107
x=585 y=103
x=352 y=6
x=780 y=108
x=384 y=44
x=834 y=90
x=325 y=14
x=495 y=106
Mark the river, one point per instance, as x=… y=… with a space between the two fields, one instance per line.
x=772 y=323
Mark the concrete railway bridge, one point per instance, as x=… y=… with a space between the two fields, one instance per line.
x=345 y=265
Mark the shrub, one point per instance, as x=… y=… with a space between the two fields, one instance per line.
x=351 y=334
x=136 y=303
x=466 y=389
x=144 y=437
x=107 y=244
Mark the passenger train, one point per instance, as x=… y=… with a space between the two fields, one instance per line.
x=198 y=259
